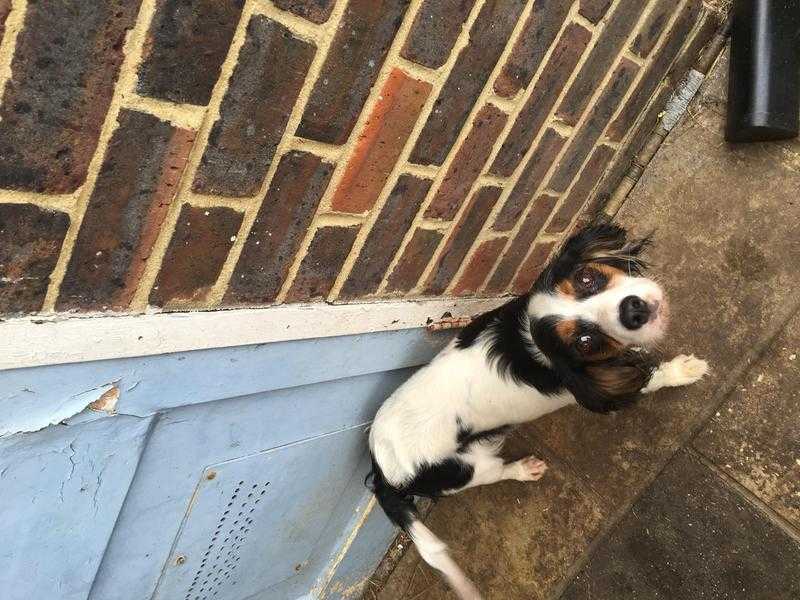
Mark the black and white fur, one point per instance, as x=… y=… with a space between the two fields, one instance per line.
x=574 y=338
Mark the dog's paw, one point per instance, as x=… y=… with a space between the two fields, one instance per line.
x=685 y=369
x=530 y=468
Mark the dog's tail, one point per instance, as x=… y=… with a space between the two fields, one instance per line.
x=402 y=511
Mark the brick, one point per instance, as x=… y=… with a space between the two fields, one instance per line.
x=435 y=30
x=136 y=184
x=354 y=60
x=653 y=26
x=385 y=237
x=199 y=246
x=583 y=141
x=279 y=227
x=416 y=256
x=5 y=9
x=172 y=68
x=502 y=276
x=255 y=110
x=540 y=30
x=599 y=61
x=532 y=268
x=529 y=181
x=647 y=85
x=709 y=24
x=487 y=38
x=594 y=10
x=543 y=97
x=461 y=239
x=322 y=263
x=30 y=242
x=579 y=193
x=316 y=11
x=468 y=163
x=63 y=73
x=380 y=142
x=479 y=266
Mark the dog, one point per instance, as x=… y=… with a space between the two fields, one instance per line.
x=581 y=335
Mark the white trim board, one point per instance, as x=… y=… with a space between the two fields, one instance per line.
x=70 y=338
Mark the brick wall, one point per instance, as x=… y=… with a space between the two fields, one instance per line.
x=211 y=153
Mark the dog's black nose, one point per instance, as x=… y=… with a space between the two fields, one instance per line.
x=633 y=312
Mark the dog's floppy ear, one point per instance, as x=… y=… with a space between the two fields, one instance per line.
x=609 y=385
x=604 y=243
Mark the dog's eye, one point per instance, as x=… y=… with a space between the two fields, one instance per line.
x=587 y=280
x=586 y=343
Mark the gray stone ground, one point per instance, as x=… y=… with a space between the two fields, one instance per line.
x=695 y=493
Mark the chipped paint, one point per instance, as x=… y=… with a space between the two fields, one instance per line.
x=107 y=402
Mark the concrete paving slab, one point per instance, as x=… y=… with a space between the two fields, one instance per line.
x=691 y=537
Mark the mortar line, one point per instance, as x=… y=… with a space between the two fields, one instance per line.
x=300 y=27
x=64 y=203
x=601 y=85
x=329 y=152
x=183 y=116
x=15 y=20
x=465 y=130
x=388 y=66
x=125 y=84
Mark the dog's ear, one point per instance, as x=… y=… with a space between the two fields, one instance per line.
x=604 y=243
x=608 y=385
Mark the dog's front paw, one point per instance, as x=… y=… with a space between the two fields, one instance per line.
x=530 y=468
x=685 y=369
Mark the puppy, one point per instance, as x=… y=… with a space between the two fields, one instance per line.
x=580 y=335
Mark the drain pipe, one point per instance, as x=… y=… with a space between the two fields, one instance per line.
x=676 y=106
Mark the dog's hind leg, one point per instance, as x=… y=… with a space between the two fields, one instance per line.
x=490 y=468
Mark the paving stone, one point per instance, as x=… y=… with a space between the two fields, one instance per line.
x=30 y=242
x=416 y=256
x=540 y=30
x=63 y=73
x=199 y=246
x=461 y=238
x=467 y=163
x=351 y=68
x=435 y=30
x=279 y=228
x=381 y=142
x=487 y=38
x=385 y=237
x=322 y=263
x=317 y=11
x=136 y=185
x=754 y=435
x=255 y=110
x=690 y=536
x=172 y=68
x=479 y=267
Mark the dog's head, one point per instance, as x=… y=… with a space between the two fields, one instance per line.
x=592 y=309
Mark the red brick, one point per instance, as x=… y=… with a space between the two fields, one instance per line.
x=461 y=239
x=543 y=97
x=30 y=242
x=278 y=230
x=467 y=163
x=435 y=30
x=351 y=68
x=137 y=182
x=316 y=11
x=532 y=268
x=63 y=73
x=380 y=143
x=385 y=237
x=594 y=10
x=653 y=26
x=255 y=110
x=529 y=181
x=579 y=193
x=583 y=141
x=172 y=68
x=479 y=267
x=416 y=256
x=198 y=249
x=709 y=24
x=598 y=63
x=655 y=73
x=5 y=9
x=502 y=276
x=487 y=38
x=540 y=30
x=322 y=263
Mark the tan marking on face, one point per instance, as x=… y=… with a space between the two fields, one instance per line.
x=566 y=288
x=566 y=331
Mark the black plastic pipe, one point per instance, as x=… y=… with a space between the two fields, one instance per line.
x=764 y=81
